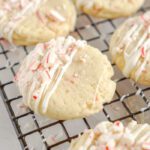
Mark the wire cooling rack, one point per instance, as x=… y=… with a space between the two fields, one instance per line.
x=131 y=101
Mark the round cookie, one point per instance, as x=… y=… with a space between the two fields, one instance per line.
x=114 y=136
x=109 y=8
x=28 y=22
x=130 y=48
x=65 y=79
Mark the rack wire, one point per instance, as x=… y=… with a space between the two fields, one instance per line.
x=131 y=100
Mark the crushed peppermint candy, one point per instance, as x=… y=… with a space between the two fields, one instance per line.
x=117 y=123
x=133 y=136
x=143 y=52
x=42 y=71
x=47 y=72
x=146 y=146
x=18 y=10
x=34 y=65
x=35 y=97
x=40 y=16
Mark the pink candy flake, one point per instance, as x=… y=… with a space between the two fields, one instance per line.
x=70 y=49
x=144 y=19
x=146 y=146
x=47 y=72
x=45 y=46
x=40 y=16
x=7 y=7
x=143 y=52
x=48 y=56
x=107 y=148
x=34 y=66
x=40 y=67
x=117 y=123
x=35 y=97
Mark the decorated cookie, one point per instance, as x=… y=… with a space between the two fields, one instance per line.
x=65 y=79
x=130 y=48
x=27 y=22
x=114 y=136
x=109 y=8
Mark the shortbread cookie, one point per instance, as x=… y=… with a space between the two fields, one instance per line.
x=27 y=22
x=65 y=79
x=109 y=136
x=109 y=8
x=130 y=48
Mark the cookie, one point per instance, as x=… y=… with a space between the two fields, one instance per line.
x=65 y=79
x=28 y=22
x=130 y=48
x=114 y=136
x=109 y=8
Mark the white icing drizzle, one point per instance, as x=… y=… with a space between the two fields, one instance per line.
x=28 y=7
x=138 y=91
x=139 y=26
x=123 y=97
x=108 y=136
x=96 y=91
x=43 y=69
x=49 y=94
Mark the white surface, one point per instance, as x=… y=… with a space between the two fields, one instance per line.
x=8 y=138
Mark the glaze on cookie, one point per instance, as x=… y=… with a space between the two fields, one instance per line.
x=27 y=22
x=109 y=8
x=130 y=48
x=56 y=76
x=114 y=136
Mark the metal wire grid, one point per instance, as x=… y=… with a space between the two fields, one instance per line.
x=131 y=101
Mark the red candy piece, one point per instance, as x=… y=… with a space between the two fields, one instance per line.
x=35 y=97
x=117 y=123
x=48 y=74
x=143 y=52
x=146 y=21
x=40 y=67
x=39 y=16
x=107 y=148
x=146 y=146
x=45 y=46
x=47 y=60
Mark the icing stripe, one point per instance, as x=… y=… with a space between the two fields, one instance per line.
x=134 y=47
x=48 y=96
x=108 y=135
